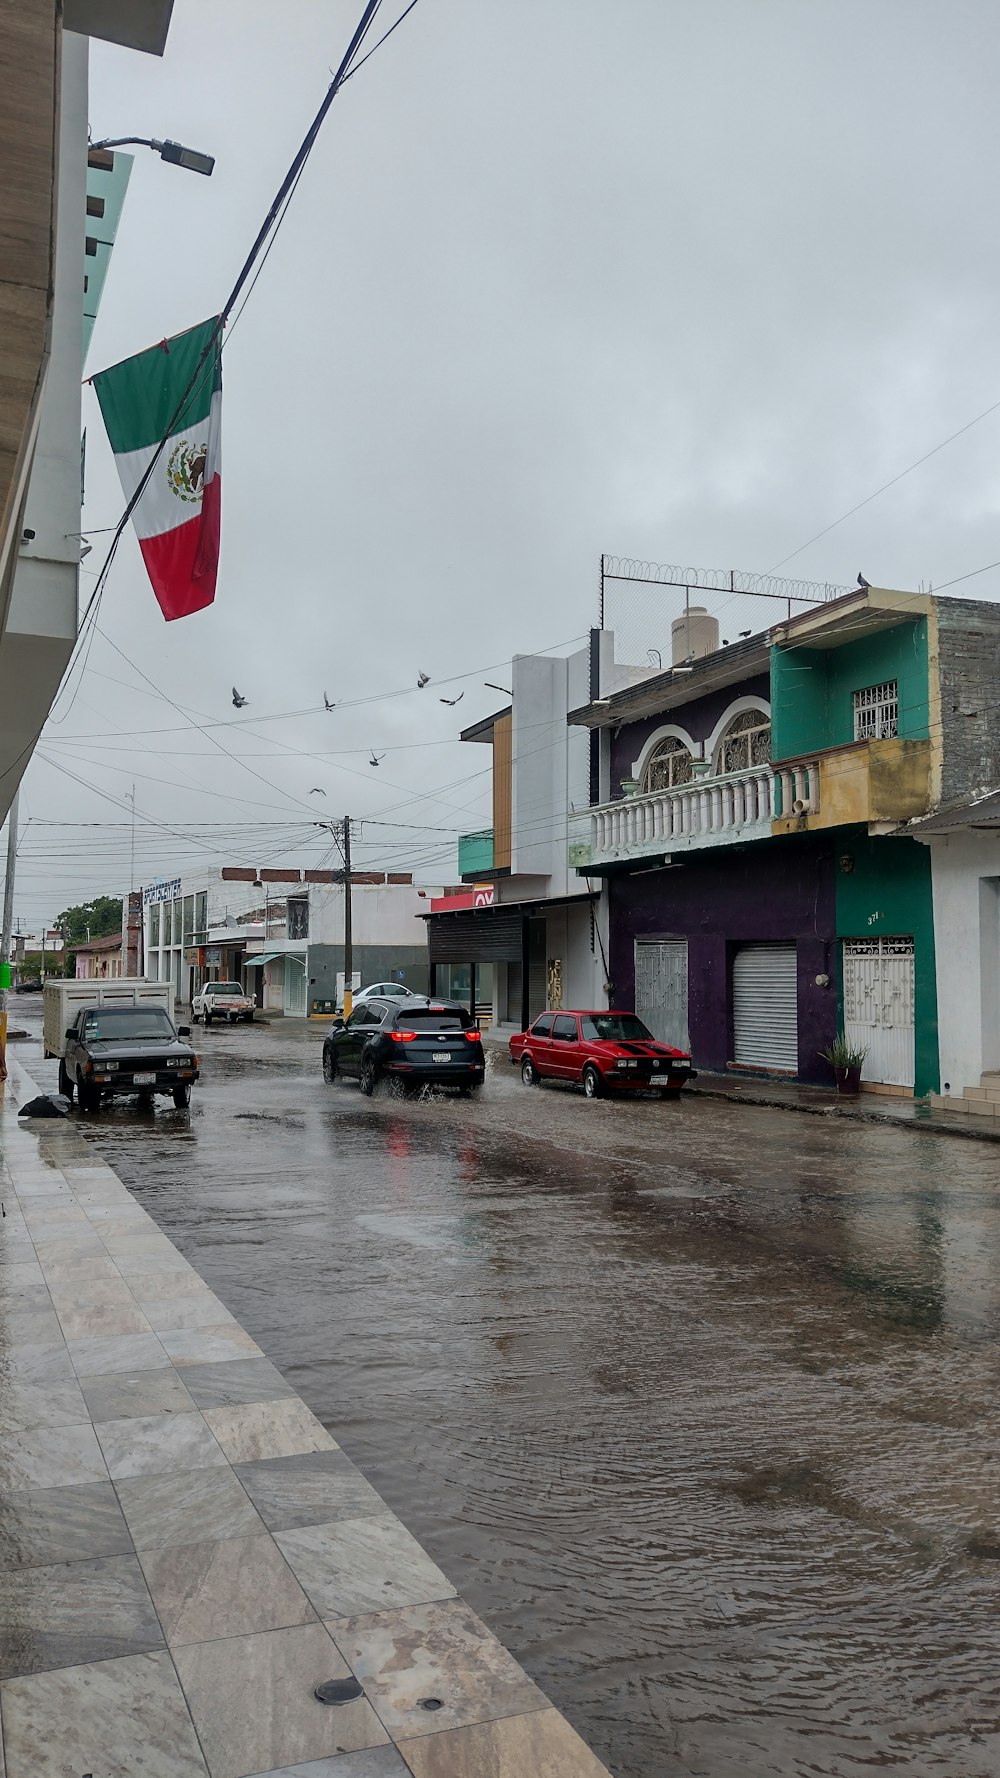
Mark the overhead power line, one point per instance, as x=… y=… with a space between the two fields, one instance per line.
x=992 y=409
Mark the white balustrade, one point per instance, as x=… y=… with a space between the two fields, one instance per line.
x=707 y=812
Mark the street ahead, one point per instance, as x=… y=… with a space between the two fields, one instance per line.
x=695 y=1403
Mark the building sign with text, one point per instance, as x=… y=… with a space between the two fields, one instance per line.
x=162 y=892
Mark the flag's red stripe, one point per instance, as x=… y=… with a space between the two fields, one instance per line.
x=182 y=564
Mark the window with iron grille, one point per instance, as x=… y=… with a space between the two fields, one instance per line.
x=670 y=764
x=746 y=742
x=298 y=917
x=876 y=712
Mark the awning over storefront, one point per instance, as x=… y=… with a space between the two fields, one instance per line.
x=269 y=957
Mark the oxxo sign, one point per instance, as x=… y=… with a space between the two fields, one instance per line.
x=482 y=895
x=162 y=892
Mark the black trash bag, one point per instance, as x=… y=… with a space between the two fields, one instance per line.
x=43 y=1106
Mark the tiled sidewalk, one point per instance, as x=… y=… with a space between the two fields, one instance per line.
x=185 y=1552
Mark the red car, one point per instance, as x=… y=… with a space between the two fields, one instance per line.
x=604 y=1051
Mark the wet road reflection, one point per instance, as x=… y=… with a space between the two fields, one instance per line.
x=696 y=1404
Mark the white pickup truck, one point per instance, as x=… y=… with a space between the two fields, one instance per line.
x=223 y=1000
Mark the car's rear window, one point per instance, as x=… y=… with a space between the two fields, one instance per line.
x=223 y=988
x=451 y=1019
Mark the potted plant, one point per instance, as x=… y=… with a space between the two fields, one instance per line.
x=846 y=1062
x=630 y=786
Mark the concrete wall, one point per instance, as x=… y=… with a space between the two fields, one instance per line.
x=377 y=963
x=550 y=763
x=868 y=781
x=29 y=59
x=567 y=936
x=41 y=619
x=382 y=915
x=718 y=899
x=965 y=879
x=969 y=668
x=812 y=689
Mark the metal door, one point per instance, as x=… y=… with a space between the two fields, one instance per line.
x=661 y=988
x=765 y=1007
x=878 y=1006
x=295 y=988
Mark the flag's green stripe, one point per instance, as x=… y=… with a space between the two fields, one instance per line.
x=139 y=397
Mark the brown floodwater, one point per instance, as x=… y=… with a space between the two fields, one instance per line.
x=697 y=1405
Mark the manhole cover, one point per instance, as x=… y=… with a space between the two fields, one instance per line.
x=338 y=1691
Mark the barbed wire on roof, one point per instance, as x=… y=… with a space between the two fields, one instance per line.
x=722 y=580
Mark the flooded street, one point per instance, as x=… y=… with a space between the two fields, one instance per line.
x=696 y=1404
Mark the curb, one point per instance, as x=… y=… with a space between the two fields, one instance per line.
x=882 y=1118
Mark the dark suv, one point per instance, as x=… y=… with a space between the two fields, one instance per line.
x=420 y=1042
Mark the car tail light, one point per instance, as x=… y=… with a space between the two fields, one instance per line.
x=473 y=1037
x=404 y=1037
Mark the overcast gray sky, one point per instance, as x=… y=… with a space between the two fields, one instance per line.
x=676 y=279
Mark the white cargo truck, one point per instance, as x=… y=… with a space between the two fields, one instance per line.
x=63 y=1000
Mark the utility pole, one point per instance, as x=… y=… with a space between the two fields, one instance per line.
x=8 y=921
x=348 y=931
x=131 y=861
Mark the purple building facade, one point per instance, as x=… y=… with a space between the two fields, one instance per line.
x=720 y=899
x=723 y=897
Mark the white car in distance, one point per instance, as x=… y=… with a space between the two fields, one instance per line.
x=223 y=1000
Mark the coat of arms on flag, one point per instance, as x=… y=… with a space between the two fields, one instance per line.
x=178 y=516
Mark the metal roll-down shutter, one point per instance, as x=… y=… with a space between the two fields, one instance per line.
x=765 y=1007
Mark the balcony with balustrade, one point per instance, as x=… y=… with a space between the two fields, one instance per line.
x=727 y=809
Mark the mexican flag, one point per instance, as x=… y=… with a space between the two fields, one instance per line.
x=179 y=514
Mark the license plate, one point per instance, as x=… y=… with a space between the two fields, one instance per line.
x=441 y=1056
x=144 y=1080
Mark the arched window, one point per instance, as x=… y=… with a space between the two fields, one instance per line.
x=669 y=764
x=746 y=742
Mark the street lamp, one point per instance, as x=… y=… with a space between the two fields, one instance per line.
x=174 y=152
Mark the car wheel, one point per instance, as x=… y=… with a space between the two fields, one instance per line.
x=206 y=1020
x=369 y=1078
x=330 y=1070
x=65 y=1084
x=145 y=1102
x=593 y=1085
x=90 y=1099
x=182 y=1096
x=529 y=1073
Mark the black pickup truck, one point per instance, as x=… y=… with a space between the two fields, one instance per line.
x=113 y=1050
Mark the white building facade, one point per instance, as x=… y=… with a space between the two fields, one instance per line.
x=965 y=884
x=280 y=934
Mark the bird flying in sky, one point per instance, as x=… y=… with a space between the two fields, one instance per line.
x=452 y=701
x=376 y=759
x=317 y=791
x=239 y=702
x=327 y=702
x=422 y=680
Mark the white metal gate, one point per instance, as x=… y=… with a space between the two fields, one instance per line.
x=765 y=1007
x=661 y=989
x=878 y=1006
